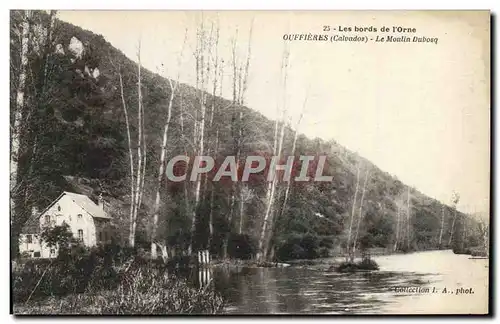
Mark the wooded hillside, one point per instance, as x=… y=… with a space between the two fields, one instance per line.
x=80 y=95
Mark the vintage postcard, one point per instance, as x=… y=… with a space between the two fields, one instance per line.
x=250 y=162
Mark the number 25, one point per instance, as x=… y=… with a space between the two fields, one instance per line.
x=326 y=28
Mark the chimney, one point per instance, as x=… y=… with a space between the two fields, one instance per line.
x=100 y=201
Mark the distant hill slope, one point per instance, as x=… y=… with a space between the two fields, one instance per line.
x=79 y=130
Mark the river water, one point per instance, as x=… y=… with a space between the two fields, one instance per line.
x=314 y=290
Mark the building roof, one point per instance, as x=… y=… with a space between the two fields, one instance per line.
x=86 y=203
x=32 y=225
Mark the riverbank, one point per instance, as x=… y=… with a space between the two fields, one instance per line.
x=96 y=282
x=235 y=263
x=323 y=264
x=139 y=297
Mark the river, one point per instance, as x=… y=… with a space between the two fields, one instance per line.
x=313 y=290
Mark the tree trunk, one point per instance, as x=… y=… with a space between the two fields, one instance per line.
x=234 y=191
x=352 y=214
x=441 y=228
x=144 y=156
x=198 y=182
x=242 y=212
x=296 y=133
x=161 y=169
x=200 y=76
x=268 y=218
x=40 y=101
x=235 y=134
x=397 y=229
x=267 y=224
x=360 y=216
x=18 y=113
x=408 y=218
x=212 y=197
x=131 y=158
x=464 y=231
x=452 y=227
x=454 y=199
x=139 y=153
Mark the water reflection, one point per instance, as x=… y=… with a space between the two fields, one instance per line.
x=312 y=289
x=300 y=290
x=290 y=290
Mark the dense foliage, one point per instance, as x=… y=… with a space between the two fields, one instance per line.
x=106 y=280
x=58 y=236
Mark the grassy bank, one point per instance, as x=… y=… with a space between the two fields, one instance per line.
x=146 y=292
x=98 y=282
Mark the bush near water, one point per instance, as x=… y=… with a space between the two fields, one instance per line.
x=364 y=265
x=105 y=280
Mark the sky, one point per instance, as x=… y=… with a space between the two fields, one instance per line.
x=419 y=111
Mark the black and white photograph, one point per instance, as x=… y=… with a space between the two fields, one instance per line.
x=218 y=162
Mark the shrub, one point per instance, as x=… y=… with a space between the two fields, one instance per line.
x=368 y=264
x=58 y=236
x=241 y=246
x=478 y=252
x=75 y=270
x=346 y=267
x=302 y=247
x=143 y=291
x=324 y=252
x=365 y=264
x=96 y=281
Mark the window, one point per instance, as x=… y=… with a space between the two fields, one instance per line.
x=52 y=251
x=100 y=236
x=80 y=235
x=36 y=254
x=79 y=216
x=29 y=239
x=47 y=218
x=58 y=208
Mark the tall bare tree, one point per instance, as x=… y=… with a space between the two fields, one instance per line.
x=349 y=234
x=398 y=228
x=140 y=153
x=200 y=56
x=360 y=214
x=41 y=97
x=130 y=154
x=292 y=152
x=240 y=84
x=215 y=70
x=19 y=109
x=484 y=231
x=267 y=223
x=408 y=219
x=236 y=135
x=455 y=198
x=245 y=194
x=441 y=228
x=216 y=151
x=161 y=167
